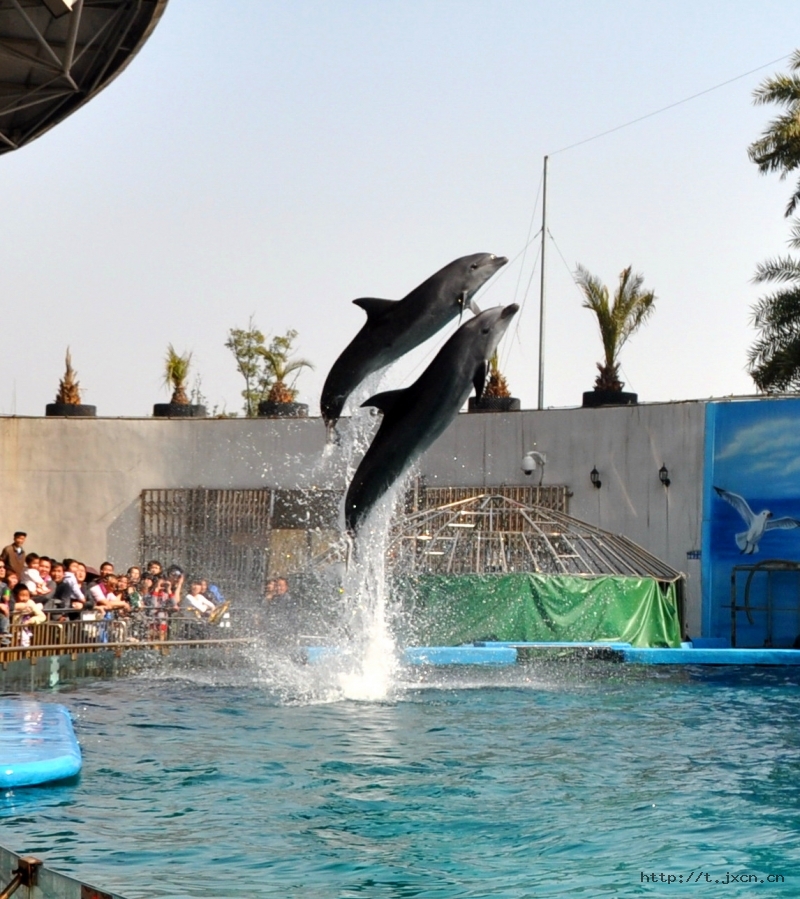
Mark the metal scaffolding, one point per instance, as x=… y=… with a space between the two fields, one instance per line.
x=493 y=533
x=55 y=55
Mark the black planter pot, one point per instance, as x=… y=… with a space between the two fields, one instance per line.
x=75 y=410
x=178 y=410
x=493 y=404
x=282 y=410
x=594 y=398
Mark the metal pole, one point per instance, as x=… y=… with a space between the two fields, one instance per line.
x=540 y=404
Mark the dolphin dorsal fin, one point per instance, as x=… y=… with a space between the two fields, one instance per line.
x=373 y=306
x=479 y=379
x=385 y=401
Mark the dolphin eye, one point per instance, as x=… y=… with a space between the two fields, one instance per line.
x=473 y=266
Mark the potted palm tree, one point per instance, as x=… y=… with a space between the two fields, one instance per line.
x=279 y=366
x=176 y=373
x=68 y=398
x=617 y=320
x=496 y=395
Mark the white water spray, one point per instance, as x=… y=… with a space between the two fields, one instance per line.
x=360 y=659
x=369 y=646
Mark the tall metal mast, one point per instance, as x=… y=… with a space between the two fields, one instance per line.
x=540 y=404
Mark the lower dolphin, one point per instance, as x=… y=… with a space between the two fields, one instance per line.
x=413 y=418
x=393 y=327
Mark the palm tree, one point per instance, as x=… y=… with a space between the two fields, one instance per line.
x=176 y=372
x=617 y=320
x=496 y=385
x=778 y=149
x=68 y=387
x=280 y=367
x=774 y=359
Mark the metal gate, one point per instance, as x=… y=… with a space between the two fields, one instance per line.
x=236 y=538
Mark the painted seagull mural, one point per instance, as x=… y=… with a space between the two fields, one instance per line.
x=757 y=525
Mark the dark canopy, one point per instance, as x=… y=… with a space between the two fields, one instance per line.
x=55 y=55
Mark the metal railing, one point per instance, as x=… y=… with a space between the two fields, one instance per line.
x=145 y=632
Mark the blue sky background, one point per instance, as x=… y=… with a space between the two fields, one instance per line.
x=282 y=159
x=757 y=449
x=757 y=455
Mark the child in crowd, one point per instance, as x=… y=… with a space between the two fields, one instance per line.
x=147 y=596
x=26 y=612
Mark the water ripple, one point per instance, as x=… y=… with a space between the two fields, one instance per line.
x=538 y=782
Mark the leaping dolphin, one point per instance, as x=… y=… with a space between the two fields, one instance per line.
x=414 y=417
x=757 y=525
x=394 y=327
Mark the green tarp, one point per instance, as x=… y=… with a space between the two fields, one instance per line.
x=446 y=610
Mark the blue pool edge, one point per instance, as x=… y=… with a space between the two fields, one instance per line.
x=504 y=654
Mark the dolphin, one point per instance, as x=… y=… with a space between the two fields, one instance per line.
x=414 y=417
x=394 y=327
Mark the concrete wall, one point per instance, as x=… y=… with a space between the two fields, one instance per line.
x=74 y=485
x=627 y=445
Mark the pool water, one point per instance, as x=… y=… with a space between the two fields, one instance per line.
x=538 y=781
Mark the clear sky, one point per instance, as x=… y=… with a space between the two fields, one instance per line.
x=281 y=159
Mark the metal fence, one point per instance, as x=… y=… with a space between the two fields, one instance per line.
x=238 y=538
x=59 y=637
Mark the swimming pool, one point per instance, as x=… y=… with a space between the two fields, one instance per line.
x=537 y=781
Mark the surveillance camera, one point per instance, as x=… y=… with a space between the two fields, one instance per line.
x=528 y=463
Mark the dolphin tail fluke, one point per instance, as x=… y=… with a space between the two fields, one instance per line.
x=332 y=436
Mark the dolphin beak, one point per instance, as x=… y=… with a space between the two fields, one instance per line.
x=508 y=311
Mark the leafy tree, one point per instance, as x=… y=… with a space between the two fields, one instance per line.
x=265 y=369
x=279 y=364
x=248 y=346
x=774 y=359
x=618 y=320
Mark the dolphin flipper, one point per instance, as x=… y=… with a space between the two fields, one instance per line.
x=385 y=401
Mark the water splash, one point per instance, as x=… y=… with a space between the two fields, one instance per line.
x=367 y=642
x=360 y=661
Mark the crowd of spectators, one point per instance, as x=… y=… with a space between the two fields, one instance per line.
x=36 y=588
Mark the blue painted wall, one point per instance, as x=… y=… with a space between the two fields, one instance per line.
x=752 y=449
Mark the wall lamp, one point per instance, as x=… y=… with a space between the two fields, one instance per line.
x=533 y=459
x=663 y=476
x=594 y=477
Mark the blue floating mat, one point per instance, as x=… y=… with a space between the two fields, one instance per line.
x=37 y=743
x=460 y=655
